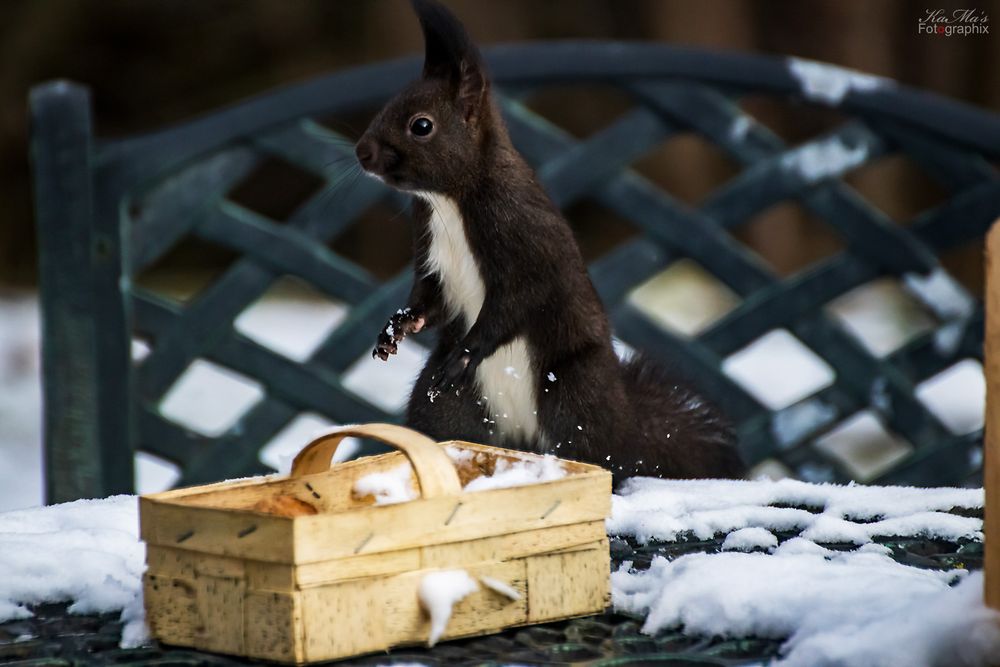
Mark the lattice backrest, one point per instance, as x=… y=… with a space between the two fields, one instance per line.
x=151 y=192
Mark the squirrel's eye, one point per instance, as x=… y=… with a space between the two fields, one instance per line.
x=421 y=126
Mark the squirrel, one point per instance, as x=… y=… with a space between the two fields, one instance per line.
x=524 y=356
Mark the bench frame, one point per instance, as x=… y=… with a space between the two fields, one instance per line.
x=108 y=208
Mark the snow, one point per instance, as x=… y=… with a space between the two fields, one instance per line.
x=940 y=292
x=957 y=396
x=748 y=539
x=948 y=300
x=949 y=336
x=829 y=84
x=799 y=590
x=740 y=127
x=389 y=487
x=500 y=587
x=863 y=445
x=87 y=552
x=778 y=370
x=302 y=330
x=855 y=608
x=823 y=159
x=396 y=485
x=656 y=509
x=439 y=592
x=20 y=405
x=882 y=314
x=518 y=473
x=797 y=421
x=209 y=398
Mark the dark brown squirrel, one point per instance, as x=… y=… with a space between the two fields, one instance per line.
x=524 y=357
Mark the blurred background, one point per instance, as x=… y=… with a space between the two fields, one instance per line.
x=150 y=63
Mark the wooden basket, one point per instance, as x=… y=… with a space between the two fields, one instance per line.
x=298 y=569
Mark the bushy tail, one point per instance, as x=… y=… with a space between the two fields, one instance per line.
x=678 y=433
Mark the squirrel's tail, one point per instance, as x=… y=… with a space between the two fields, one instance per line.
x=677 y=433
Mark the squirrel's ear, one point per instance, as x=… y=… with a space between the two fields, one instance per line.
x=449 y=54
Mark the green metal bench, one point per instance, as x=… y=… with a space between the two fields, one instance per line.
x=108 y=209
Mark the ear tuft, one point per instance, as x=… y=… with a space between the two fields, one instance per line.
x=445 y=39
x=450 y=55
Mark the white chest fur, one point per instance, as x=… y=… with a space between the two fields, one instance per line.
x=506 y=378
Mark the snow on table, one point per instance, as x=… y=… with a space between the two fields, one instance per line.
x=654 y=509
x=857 y=607
x=833 y=607
x=85 y=552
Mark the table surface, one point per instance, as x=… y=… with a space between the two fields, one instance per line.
x=54 y=637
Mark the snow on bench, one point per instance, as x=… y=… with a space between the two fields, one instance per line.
x=855 y=606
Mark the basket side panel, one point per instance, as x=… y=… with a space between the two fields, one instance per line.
x=487 y=611
x=172 y=609
x=468 y=516
x=513 y=545
x=499 y=548
x=344 y=619
x=184 y=564
x=272 y=626
x=220 y=606
x=213 y=531
x=481 y=612
x=330 y=491
x=373 y=614
x=571 y=583
x=354 y=567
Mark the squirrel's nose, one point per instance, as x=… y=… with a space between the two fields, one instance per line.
x=367 y=152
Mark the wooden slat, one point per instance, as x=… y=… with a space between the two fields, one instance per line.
x=237 y=454
x=991 y=466
x=353 y=337
x=178 y=562
x=84 y=316
x=172 y=609
x=440 y=520
x=286 y=251
x=181 y=202
x=221 y=610
x=169 y=521
x=218 y=532
x=582 y=589
x=963 y=218
x=694 y=362
x=273 y=628
x=347 y=618
x=621 y=270
x=590 y=163
x=309 y=387
x=514 y=545
x=792 y=300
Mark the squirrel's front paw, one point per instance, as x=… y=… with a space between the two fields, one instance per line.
x=403 y=323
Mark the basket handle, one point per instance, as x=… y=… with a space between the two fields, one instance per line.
x=435 y=472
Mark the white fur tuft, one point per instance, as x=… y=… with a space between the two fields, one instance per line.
x=510 y=396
